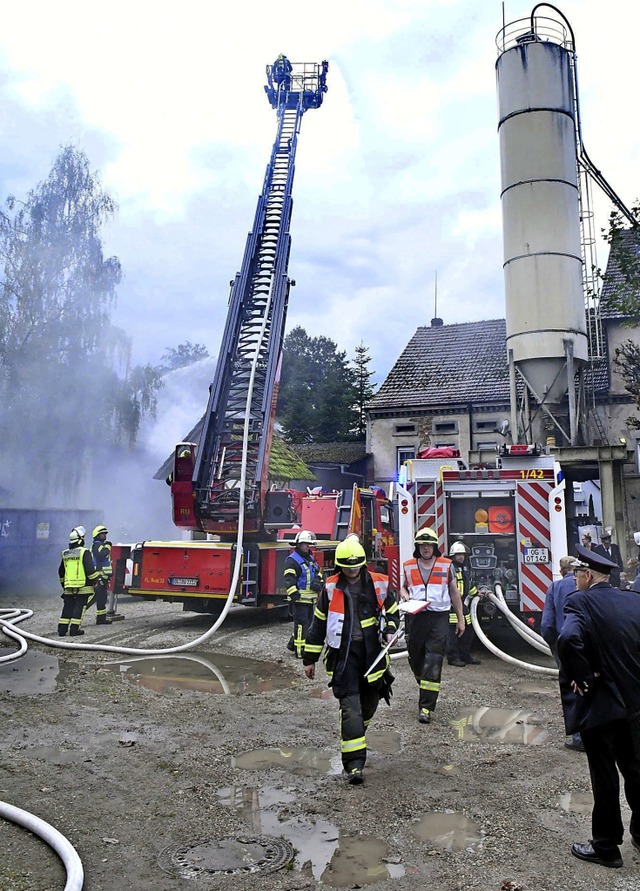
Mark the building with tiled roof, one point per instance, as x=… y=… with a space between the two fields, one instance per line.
x=450 y=386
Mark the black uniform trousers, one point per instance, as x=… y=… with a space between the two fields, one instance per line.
x=302 y=612
x=460 y=647
x=99 y=597
x=73 y=607
x=611 y=747
x=358 y=703
x=427 y=634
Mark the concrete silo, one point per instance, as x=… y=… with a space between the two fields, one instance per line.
x=543 y=268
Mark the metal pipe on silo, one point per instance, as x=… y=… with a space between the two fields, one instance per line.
x=545 y=310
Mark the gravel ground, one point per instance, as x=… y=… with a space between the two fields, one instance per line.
x=156 y=777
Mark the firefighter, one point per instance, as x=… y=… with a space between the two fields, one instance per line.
x=78 y=575
x=459 y=648
x=101 y=552
x=429 y=576
x=303 y=582
x=356 y=614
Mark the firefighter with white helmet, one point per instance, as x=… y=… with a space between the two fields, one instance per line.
x=77 y=575
x=101 y=552
x=459 y=648
x=429 y=577
x=356 y=614
x=303 y=582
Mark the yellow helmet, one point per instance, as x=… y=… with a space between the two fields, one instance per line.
x=98 y=530
x=350 y=554
x=426 y=536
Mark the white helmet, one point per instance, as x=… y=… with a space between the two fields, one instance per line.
x=305 y=537
x=458 y=548
x=76 y=536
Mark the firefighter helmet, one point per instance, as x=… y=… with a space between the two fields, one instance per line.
x=350 y=554
x=458 y=548
x=76 y=536
x=99 y=530
x=426 y=536
x=305 y=537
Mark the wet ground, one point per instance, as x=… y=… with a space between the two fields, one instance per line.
x=219 y=768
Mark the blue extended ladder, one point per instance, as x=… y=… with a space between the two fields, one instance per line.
x=254 y=329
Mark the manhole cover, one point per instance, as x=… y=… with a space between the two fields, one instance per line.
x=234 y=854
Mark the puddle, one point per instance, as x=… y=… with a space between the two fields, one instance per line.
x=206 y=673
x=576 y=802
x=499 y=725
x=449 y=830
x=386 y=742
x=301 y=761
x=33 y=673
x=336 y=858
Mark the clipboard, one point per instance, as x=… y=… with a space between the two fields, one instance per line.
x=411 y=607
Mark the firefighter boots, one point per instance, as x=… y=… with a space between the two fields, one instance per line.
x=76 y=632
x=102 y=620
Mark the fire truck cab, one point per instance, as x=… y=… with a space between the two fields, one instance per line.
x=510 y=515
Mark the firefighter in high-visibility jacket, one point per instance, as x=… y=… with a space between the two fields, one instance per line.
x=429 y=577
x=356 y=614
x=101 y=552
x=78 y=575
x=459 y=648
x=303 y=581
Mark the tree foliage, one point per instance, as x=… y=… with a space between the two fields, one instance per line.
x=624 y=243
x=364 y=387
x=66 y=385
x=184 y=354
x=626 y=362
x=318 y=393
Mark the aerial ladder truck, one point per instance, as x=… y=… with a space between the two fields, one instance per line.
x=221 y=483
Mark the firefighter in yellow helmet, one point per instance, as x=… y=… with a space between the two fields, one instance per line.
x=356 y=614
x=77 y=575
x=459 y=648
x=429 y=577
x=101 y=552
x=303 y=582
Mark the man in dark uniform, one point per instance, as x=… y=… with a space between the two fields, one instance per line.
x=599 y=655
x=611 y=552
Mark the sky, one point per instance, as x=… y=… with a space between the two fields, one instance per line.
x=397 y=174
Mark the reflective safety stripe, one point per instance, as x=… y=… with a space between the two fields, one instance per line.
x=335 y=618
x=353 y=745
x=367 y=623
x=436 y=591
x=453 y=619
x=320 y=615
x=313 y=648
x=429 y=685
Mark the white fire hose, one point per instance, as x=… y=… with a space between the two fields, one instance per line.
x=521 y=627
x=63 y=848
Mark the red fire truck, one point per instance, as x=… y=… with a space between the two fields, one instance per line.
x=511 y=516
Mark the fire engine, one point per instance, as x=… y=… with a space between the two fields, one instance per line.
x=510 y=515
x=220 y=486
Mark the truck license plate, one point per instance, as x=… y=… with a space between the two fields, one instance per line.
x=536 y=555
x=183 y=582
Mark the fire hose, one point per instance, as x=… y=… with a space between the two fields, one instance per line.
x=521 y=627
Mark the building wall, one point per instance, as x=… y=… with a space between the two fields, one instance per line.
x=391 y=439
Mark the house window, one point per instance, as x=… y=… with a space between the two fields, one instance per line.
x=404 y=430
x=445 y=427
x=404 y=455
x=489 y=426
x=487 y=446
